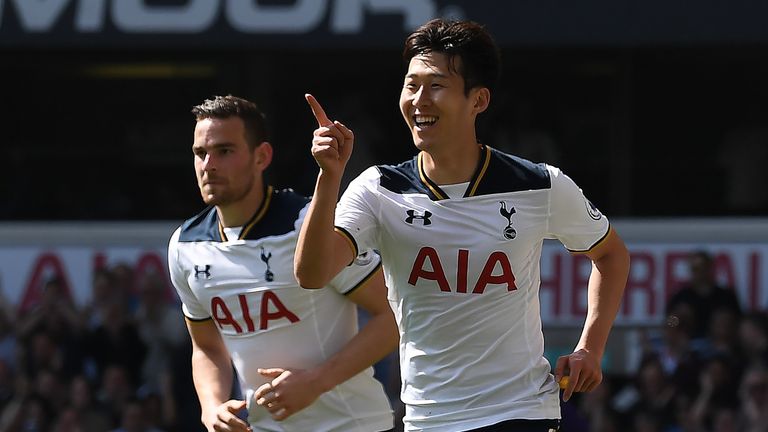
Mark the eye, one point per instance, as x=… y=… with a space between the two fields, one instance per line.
x=200 y=153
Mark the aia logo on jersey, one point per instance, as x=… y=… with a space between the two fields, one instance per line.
x=428 y=265
x=238 y=316
x=266 y=256
x=424 y=218
x=509 y=232
x=202 y=271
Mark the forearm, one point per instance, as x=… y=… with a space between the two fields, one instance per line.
x=605 y=290
x=315 y=245
x=375 y=340
x=212 y=376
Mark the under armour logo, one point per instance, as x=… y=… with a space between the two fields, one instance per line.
x=509 y=232
x=206 y=270
x=424 y=218
x=268 y=275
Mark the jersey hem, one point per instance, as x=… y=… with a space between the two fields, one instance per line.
x=196 y=320
x=351 y=240
x=364 y=280
x=594 y=245
x=474 y=424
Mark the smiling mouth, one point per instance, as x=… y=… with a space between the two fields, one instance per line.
x=424 y=121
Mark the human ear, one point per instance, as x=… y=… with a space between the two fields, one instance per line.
x=263 y=154
x=482 y=98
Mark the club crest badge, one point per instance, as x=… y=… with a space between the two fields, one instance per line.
x=266 y=256
x=509 y=232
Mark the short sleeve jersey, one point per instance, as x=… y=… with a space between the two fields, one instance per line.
x=246 y=285
x=463 y=277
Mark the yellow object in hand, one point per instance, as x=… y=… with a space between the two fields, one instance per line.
x=564 y=382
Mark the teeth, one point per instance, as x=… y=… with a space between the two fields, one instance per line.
x=424 y=119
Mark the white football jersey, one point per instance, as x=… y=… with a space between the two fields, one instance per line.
x=463 y=277
x=246 y=285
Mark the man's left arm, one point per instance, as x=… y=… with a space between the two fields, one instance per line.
x=610 y=268
x=292 y=390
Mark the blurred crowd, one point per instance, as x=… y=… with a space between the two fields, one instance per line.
x=122 y=364
x=704 y=370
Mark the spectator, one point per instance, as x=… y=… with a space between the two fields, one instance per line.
x=7 y=384
x=52 y=331
x=675 y=351
x=68 y=420
x=116 y=389
x=134 y=419
x=116 y=341
x=753 y=393
x=725 y=420
x=717 y=390
x=723 y=328
x=124 y=285
x=161 y=329
x=35 y=415
x=651 y=394
x=702 y=293
x=753 y=336
x=50 y=386
x=8 y=341
x=55 y=313
x=594 y=409
x=91 y=415
x=40 y=353
x=103 y=292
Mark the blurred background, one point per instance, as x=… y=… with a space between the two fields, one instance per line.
x=657 y=109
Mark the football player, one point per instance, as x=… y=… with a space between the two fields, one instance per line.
x=302 y=364
x=460 y=229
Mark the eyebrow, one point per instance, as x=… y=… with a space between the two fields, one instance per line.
x=432 y=74
x=214 y=145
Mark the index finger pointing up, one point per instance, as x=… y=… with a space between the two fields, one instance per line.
x=318 y=111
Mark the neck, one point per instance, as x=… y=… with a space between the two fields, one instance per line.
x=238 y=213
x=453 y=166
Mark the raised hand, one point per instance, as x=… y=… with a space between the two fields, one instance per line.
x=332 y=142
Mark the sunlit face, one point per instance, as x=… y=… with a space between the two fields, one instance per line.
x=433 y=102
x=224 y=164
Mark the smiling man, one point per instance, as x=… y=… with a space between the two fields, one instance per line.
x=460 y=229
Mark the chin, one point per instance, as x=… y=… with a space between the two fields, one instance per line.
x=421 y=144
x=417 y=140
x=209 y=199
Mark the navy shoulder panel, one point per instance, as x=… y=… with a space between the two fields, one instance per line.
x=508 y=173
x=402 y=178
x=203 y=227
x=281 y=215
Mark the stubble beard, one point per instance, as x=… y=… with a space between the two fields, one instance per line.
x=230 y=196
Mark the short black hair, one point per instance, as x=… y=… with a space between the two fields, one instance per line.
x=467 y=40
x=222 y=107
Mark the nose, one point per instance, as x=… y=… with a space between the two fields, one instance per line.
x=421 y=97
x=208 y=163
